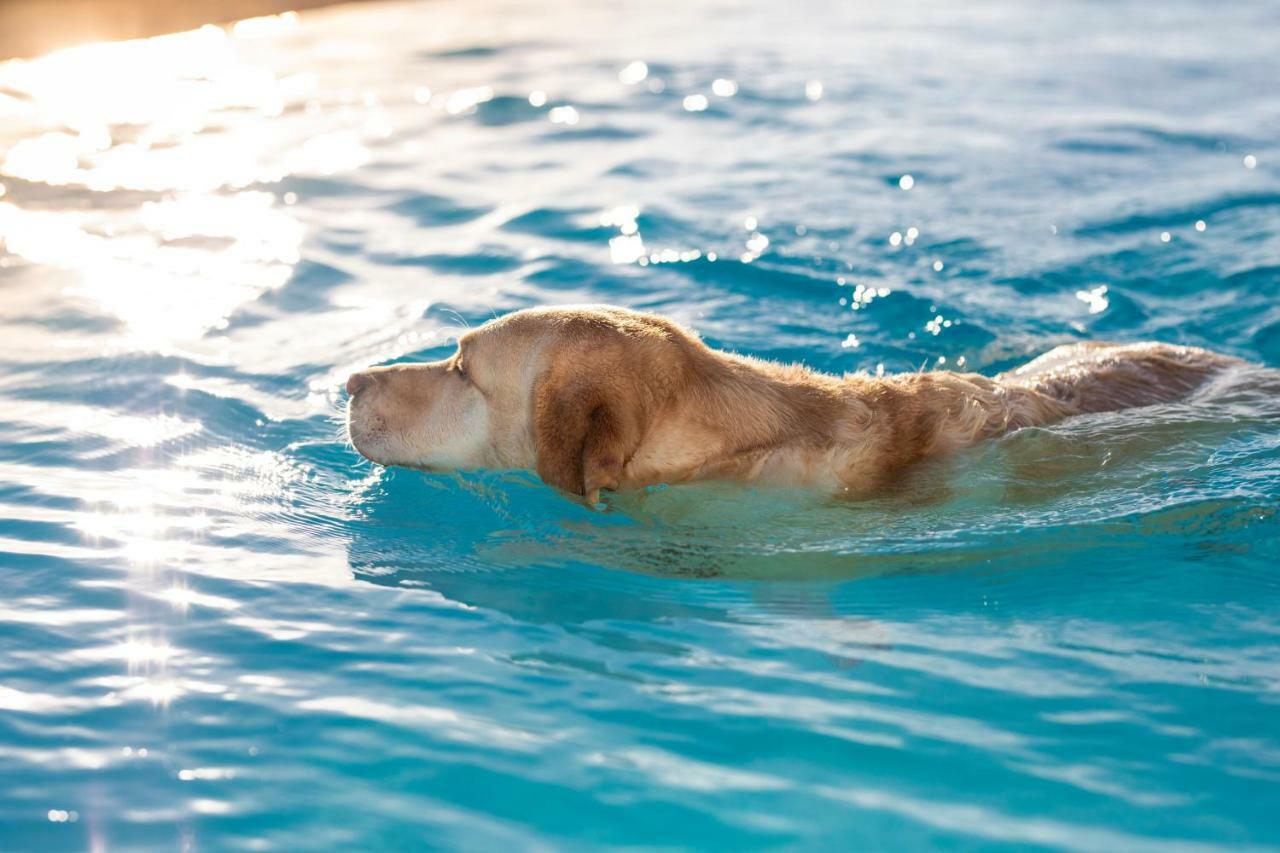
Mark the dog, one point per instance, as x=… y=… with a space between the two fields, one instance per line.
x=601 y=398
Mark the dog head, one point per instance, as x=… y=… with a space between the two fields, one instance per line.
x=569 y=392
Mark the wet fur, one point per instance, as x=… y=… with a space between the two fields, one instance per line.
x=599 y=398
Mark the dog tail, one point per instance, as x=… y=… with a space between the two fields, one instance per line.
x=1102 y=377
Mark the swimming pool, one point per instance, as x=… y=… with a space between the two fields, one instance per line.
x=220 y=630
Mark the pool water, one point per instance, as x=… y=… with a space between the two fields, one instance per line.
x=221 y=630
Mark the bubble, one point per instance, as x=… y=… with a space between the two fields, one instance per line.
x=1200 y=226
x=937 y=266
x=1250 y=161
x=422 y=95
x=1165 y=236
x=906 y=182
x=538 y=98
x=813 y=90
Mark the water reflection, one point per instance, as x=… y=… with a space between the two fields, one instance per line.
x=215 y=607
x=167 y=132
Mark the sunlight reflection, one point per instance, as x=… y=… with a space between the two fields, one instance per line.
x=175 y=270
x=146 y=536
x=170 y=147
x=182 y=597
x=163 y=521
x=126 y=430
x=156 y=691
x=267 y=25
x=443 y=722
x=194 y=115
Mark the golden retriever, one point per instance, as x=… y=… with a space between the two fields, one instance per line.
x=596 y=397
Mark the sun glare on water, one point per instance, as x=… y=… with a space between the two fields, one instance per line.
x=142 y=180
x=178 y=142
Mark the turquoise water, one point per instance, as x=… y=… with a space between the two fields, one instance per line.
x=221 y=630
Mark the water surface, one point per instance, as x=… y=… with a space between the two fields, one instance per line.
x=221 y=630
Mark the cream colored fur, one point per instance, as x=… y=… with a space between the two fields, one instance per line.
x=605 y=398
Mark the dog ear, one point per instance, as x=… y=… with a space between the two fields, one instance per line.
x=585 y=429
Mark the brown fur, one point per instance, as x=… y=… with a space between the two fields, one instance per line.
x=605 y=398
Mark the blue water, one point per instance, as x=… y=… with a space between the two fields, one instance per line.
x=220 y=629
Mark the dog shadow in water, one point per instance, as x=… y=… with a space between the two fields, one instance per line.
x=507 y=544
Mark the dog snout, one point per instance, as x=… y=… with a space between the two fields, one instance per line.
x=358 y=382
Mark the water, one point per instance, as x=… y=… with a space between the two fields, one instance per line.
x=220 y=630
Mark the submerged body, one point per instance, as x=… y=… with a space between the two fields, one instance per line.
x=605 y=398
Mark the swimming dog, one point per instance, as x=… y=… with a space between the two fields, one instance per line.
x=597 y=397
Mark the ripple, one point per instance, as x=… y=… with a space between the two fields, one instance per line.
x=224 y=630
x=432 y=210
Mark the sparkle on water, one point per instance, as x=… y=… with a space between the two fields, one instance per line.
x=222 y=631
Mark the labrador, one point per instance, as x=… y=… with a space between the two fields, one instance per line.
x=597 y=397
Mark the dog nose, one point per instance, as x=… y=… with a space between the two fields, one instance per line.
x=357 y=382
